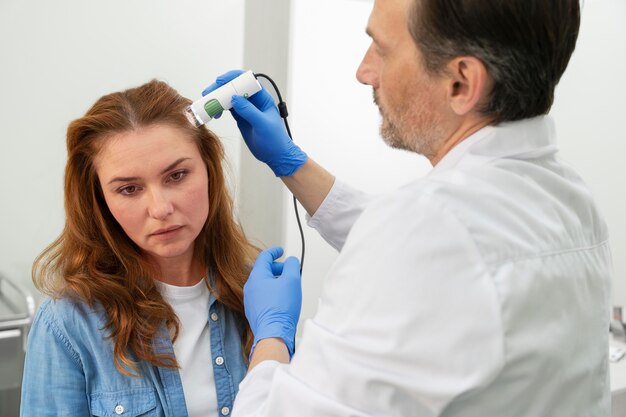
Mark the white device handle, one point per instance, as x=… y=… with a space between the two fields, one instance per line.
x=204 y=109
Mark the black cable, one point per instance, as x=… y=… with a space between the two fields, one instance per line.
x=282 y=109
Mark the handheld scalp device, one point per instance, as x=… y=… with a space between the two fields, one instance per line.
x=204 y=109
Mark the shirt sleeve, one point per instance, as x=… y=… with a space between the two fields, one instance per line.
x=408 y=321
x=335 y=217
x=54 y=382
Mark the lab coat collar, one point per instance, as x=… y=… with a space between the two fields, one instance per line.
x=524 y=139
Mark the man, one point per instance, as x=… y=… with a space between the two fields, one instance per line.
x=480 y=290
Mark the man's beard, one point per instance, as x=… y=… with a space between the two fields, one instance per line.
x=411 y=129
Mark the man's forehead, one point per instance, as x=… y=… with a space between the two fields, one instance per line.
x=387 y=16
x=388 y=13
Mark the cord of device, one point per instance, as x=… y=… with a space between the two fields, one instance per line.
x=282 y=109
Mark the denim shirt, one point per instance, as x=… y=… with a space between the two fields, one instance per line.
x=70 y=371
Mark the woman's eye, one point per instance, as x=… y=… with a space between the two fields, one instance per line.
x=178 y=175
x=128 y=190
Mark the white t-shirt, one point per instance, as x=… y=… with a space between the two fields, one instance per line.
x=193 y=346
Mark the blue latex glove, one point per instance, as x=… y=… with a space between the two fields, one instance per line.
x=263 y=129
x=272 y=297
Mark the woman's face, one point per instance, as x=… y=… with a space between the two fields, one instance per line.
x=155 y=184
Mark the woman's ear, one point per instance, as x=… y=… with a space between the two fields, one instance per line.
x=468 y=84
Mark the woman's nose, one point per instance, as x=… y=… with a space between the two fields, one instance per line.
x=160 y=205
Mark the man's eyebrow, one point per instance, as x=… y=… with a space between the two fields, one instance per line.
x=369 y=32
x=169 y=167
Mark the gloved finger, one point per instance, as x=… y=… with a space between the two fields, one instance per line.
x=221 y=80
x=246 y=110
x=277 y=268
x=267 y=257
x=291 y=268
x=263 y=100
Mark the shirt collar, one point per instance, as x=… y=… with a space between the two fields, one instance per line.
x=524 y=139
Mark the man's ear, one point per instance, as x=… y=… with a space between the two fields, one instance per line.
x=468 y=84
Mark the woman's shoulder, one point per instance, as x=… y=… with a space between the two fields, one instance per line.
x=65 y=324
x=67 y=312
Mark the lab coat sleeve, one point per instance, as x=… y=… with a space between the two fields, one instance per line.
x=404 y=326
x=336 y=215
x=54 y=382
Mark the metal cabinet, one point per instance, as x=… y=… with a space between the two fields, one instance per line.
x=17 y=308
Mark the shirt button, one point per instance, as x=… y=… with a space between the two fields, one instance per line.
x=220 y=361
x=119 y=409
x=225 y=411
x=214 y=316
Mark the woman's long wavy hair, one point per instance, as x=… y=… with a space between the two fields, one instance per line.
x=94 y=260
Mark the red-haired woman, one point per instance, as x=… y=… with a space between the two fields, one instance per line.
x=145 y=314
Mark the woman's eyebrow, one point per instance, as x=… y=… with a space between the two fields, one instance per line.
x=174 y=165
x=169 y=167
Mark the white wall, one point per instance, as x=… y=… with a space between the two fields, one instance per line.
x=58 y=57
x=334 y=120
x=266 y=51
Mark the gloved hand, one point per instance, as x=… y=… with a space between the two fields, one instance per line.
x=272 y=297
x=263 y=129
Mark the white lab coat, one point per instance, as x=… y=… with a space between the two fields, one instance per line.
x=480 y=290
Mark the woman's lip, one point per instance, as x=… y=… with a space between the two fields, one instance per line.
x=166 y=231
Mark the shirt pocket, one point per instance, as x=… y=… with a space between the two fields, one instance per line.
x=130 y=403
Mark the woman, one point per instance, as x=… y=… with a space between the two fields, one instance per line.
x=146 y=311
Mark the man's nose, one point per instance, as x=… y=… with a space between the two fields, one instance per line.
x=367 y=73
